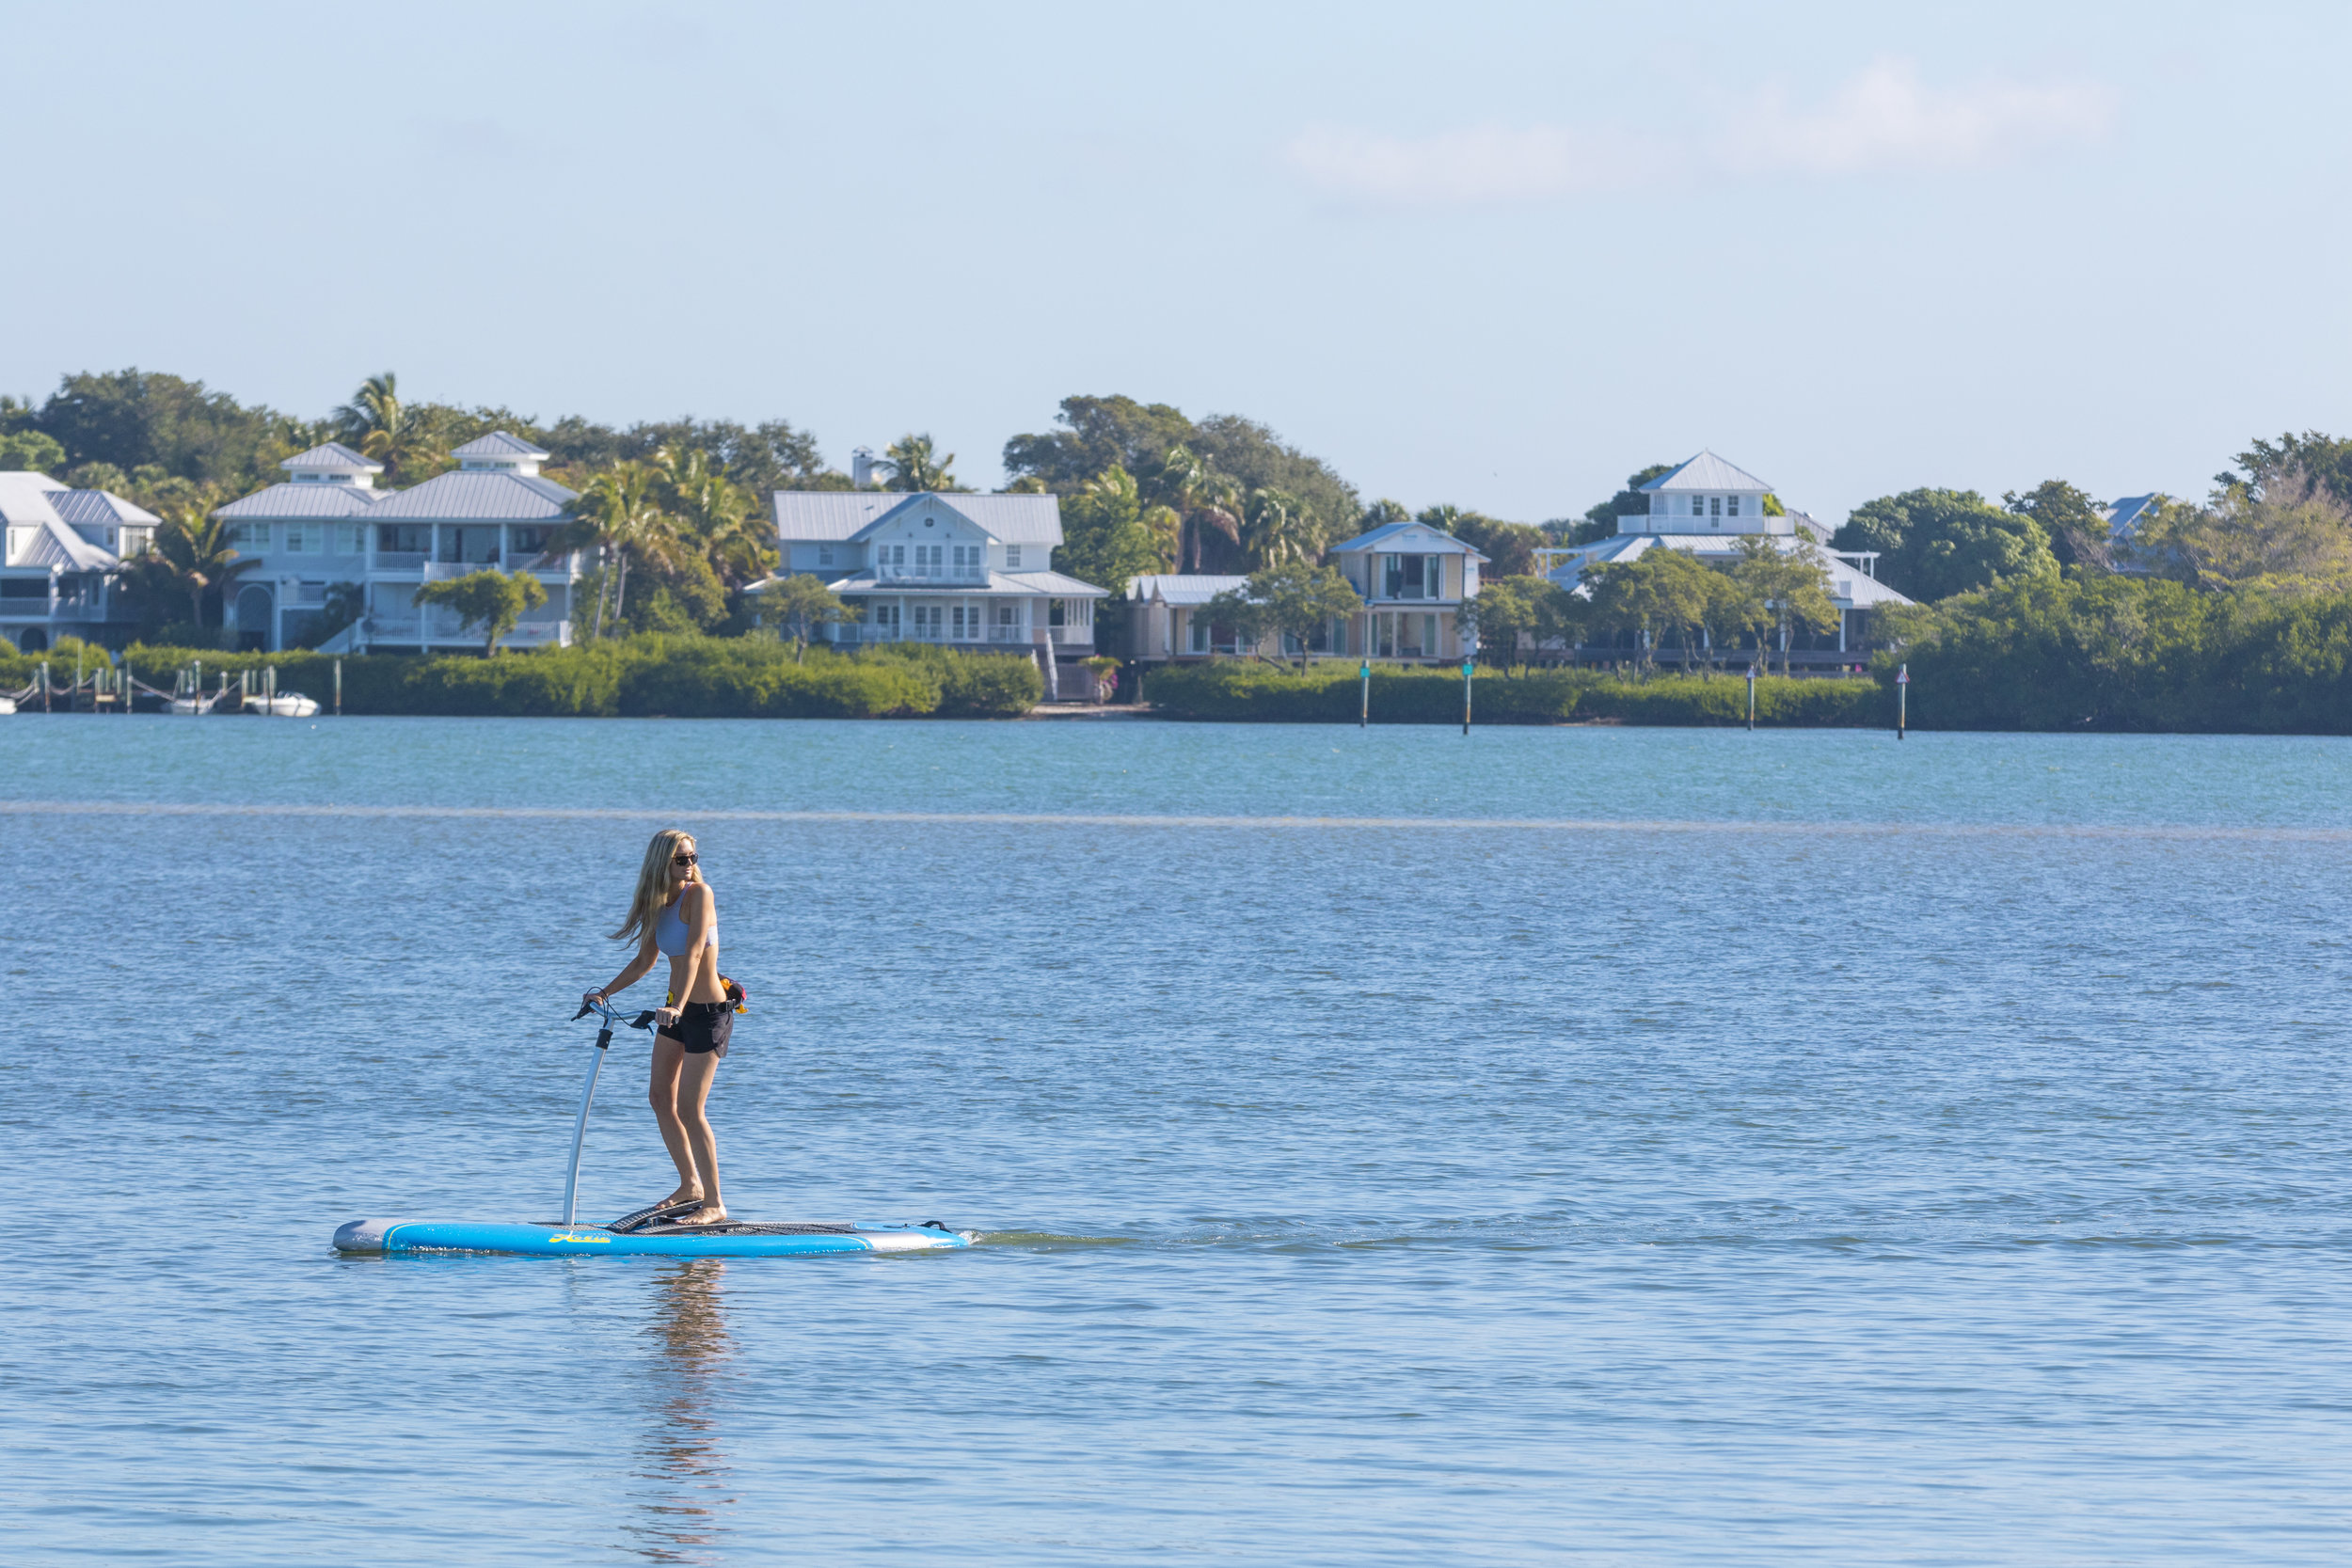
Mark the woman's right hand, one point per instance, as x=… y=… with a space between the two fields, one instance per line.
x=590 y=998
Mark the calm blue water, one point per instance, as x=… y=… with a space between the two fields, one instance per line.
x=1803 y=1148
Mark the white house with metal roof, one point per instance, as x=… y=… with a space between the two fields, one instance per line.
x=327 y=524
x=940 y=566
x=59 y=570
x=1704 y=507
x=1163 y=622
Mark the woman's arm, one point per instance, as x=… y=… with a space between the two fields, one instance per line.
x=634 y=973
x=699 y=907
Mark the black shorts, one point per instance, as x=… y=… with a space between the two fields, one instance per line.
x=702 y=1026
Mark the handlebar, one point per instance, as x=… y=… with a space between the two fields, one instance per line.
x=605 y=1011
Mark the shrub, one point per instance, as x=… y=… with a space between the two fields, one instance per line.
x=1331 y=693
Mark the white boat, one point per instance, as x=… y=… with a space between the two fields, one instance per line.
x=286 y=705
x=7 y=705
x=189 y=705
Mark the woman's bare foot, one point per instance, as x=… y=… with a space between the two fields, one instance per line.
x=683 y=1196
x=709 y=1214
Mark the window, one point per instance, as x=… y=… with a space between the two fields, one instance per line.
x=24 y=588
x=304 y=538
x=1012 y=558
x=1715 y=505
x=350 y=539
x=886 y=614
x=824 y=555
x=968 y=557
x=251 y=538
x=1731 y=508
x=966 y=622
x=1199 y=638
x=927 y=561
x=926 y=620
x=404 y=538
x=524 y=542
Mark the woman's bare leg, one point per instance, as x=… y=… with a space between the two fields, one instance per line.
x=694 y=1088
x=663 y=1094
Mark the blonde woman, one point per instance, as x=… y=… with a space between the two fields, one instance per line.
x=675 y=914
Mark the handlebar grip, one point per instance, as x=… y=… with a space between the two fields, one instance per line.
x=642 y=1021
x=585 y=1008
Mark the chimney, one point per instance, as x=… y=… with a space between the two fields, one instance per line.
x=862 y=466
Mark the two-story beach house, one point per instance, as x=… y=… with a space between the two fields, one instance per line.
x=327 y=524
x=59 y=575
x=937 y=567
x=1412 y=577
x=1705 y=506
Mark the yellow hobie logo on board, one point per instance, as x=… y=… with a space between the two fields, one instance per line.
x=568 y=1237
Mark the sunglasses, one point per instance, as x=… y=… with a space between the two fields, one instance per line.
x=684 y=860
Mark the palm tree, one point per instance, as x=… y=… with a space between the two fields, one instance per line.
x=619 y=515
x=1279 y=531
x=1204 y=502
x=911 y=464
x=718 y=515
x=196 y=548
x=385 y=428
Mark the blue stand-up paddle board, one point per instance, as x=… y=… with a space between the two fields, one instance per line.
x=565 y=1240
x=630 y=1235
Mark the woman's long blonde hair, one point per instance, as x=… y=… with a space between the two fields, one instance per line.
x=656 y=884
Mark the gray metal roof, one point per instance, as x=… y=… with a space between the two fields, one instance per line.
x=1178 y=588
x=97 y=509
x=2126 y=515
x=334 y=457
x=498 y=444
x=820 y=517
x=1409 y=539
x=307 y=502
x=28 y=500
x=1706 y=472
x=472 y=496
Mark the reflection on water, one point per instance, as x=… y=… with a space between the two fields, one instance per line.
x=678 y=1516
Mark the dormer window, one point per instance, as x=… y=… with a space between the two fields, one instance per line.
x=1012 y=558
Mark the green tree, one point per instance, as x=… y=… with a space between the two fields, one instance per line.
x=716 y=516
x=1295 y=600
x=619 y=517
x=381 y=426
x=2075 y=525
x=489 y=601
x=1380 y=513
x=797 y=605
x=1933 y=543
x=1657 y=592
x=2318 y=461
x=31 y=449
x=1277 y=530
x=134 y=417
x=1207 y=504
x=196 y=549
x=1107 y=538
x=1784 y=591
x=2290 y=539
x=1099 y=434
x=912 y=463
x=1510 y=615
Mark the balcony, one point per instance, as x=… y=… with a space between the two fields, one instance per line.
x=851 y=632
x=397 y=561
x=934 y=577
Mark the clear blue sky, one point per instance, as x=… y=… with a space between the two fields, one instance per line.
x=1496 y=256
